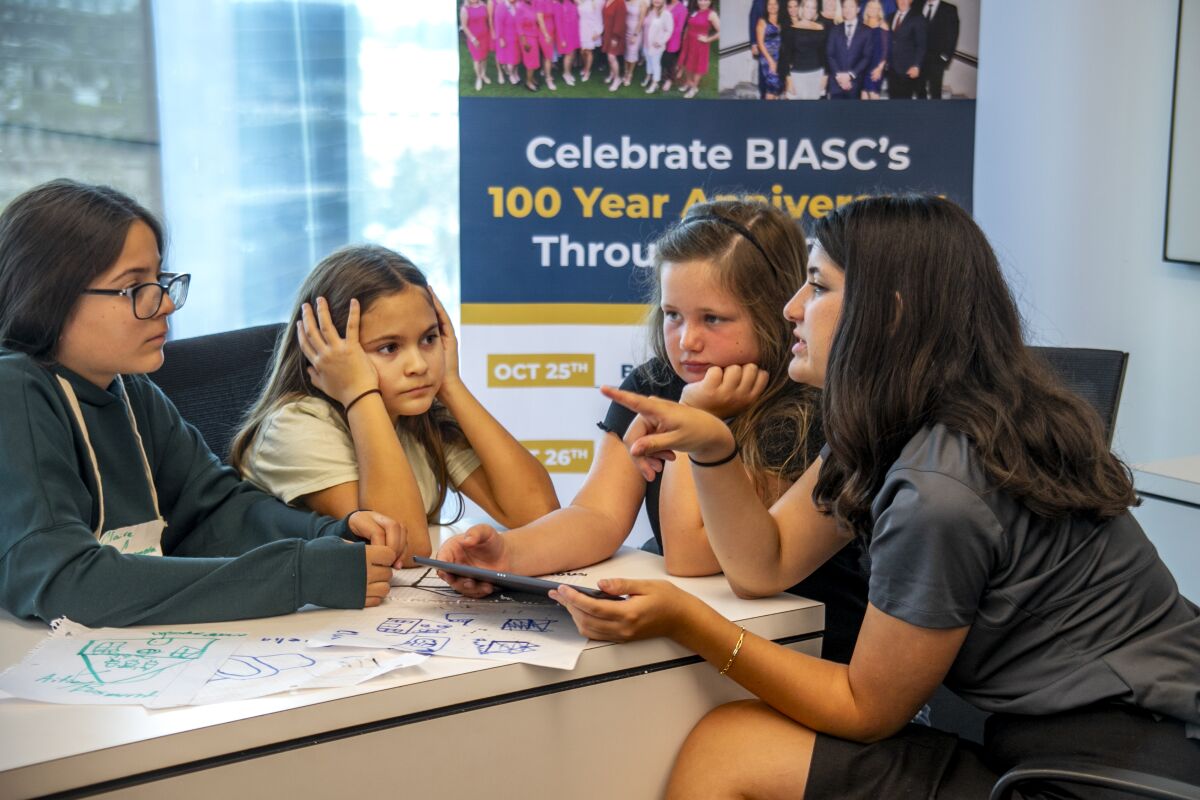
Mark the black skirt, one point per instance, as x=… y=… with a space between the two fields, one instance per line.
x=922 y=762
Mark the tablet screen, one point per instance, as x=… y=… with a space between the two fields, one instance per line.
x=517 y=583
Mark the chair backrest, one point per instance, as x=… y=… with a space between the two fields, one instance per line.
x=214 y=379
x=1098 y=377
x=1095 y=375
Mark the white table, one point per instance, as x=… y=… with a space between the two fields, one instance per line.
x=608 y=729
x=1170 y=514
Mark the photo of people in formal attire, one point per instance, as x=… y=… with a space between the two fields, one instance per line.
x=849 y=49
x=652 y=49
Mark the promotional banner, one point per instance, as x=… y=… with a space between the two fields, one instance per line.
x=563 y=191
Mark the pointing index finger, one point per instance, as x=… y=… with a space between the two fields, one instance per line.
x=631 y=400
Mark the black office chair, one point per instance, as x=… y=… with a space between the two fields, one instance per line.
x=214 y=379
x=1098 y=377
x=1095 y=375
x=1139 y=784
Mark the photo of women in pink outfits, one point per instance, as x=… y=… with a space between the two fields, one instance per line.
x=588 y=48
x=702 y=29
x=504 y=40
x=476 y=27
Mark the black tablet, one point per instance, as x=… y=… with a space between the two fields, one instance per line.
x=517 y=583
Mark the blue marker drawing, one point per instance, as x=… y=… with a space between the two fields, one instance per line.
x=456 y=618
x=248 y=668
x=403 y=626
x=501 y=647
x=542 y=625
x=425 y=644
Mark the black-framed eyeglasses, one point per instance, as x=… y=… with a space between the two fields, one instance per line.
x=146 y=298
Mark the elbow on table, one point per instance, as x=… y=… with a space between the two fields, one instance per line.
x=542 y=500
x=542 y=507
x=530 y=511
x=422 y=548
x=745 y=593
x=27 y=593
x=77 y=609
x=754 y=589
x=688 y=570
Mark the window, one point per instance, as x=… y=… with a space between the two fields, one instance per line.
x=268 y=132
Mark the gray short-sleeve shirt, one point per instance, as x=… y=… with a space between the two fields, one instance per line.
x=1062 y=613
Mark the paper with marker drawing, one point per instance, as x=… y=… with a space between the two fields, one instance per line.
x=270 y=664
x=530 y=633
x=113 y=666
x=160 y=669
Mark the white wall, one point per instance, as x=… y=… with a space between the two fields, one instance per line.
x=1071 y=151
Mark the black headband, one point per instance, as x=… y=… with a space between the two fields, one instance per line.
x=737 y=226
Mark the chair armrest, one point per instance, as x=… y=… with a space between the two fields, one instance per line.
x=1141 y=784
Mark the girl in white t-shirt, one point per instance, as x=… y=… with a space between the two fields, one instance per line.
x=365 y=407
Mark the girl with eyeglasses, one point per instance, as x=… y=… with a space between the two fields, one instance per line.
x=718 y=343
x=115 y=512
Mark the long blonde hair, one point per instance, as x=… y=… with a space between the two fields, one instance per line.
x=365 y=273
x=876 y=7
x=760 y=257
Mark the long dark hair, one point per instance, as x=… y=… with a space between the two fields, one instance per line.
x=772 y=433
x=55 y=240
x=365 y=273
x=929 y=333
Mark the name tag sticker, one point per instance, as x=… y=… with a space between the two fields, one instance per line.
x=144 y=539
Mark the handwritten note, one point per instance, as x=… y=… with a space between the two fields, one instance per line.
x=111 y=666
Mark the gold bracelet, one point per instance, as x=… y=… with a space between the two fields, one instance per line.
x=736 y=649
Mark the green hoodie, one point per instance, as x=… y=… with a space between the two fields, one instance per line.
x=229 y=550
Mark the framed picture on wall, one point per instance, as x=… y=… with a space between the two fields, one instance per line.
x=1181 y=237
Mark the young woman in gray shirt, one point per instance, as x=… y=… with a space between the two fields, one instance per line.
x=1004 y=560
